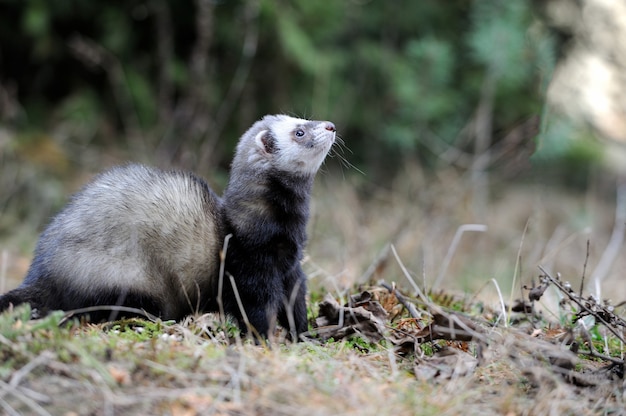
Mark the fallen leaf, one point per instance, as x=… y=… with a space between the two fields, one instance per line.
x=366 y=320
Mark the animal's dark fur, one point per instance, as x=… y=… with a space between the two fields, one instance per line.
x=270 y=253
x=150 y=239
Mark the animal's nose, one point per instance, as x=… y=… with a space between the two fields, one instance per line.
x=330 y=126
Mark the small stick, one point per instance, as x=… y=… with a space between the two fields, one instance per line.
x=408 y=305
x=114 y=308
x=220 y=280
x=592 y=350
x=252 y=330
x=582 y=282
x=581 y=304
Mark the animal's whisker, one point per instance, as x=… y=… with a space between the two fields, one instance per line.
x=339 y=150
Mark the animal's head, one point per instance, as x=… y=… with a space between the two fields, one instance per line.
x=287 y=144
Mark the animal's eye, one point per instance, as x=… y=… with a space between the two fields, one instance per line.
x=299 y=133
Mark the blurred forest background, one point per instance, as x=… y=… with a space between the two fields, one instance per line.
x=453 y=113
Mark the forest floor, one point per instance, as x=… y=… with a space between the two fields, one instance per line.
x=423 y=301
x=368 y=357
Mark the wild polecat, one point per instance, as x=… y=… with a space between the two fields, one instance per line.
x=146 y=238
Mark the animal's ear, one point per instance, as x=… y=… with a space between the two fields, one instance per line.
x=265 y=141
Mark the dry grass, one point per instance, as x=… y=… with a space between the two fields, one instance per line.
x=528 y=225
x=186 y=369
x=178 y=370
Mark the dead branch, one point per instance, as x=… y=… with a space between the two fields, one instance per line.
x=582 y=304
x=445 y=325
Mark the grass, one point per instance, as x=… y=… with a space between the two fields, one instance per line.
x=201 y=367
x=179 y=370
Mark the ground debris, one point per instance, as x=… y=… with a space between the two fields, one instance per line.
x=447 y=344
x=445 y=364
x=362 y=316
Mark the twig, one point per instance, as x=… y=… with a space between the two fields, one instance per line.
x=580 y=304
x=582 y=281
x=592 y=350
x=409 y=278
x=114 y=308
x=408 y=305
x=518 y=267
x=251 y=330
x=220 y=280
x=495 y=282
x=35 y=407
x=595 y=354
x=6 y=407
x=17 y=376
x=289 y=306
x=435 y=309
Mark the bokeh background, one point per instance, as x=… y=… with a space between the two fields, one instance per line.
x=482 y=138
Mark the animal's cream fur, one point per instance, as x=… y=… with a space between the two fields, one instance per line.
x=111 y=241
x=296 y=157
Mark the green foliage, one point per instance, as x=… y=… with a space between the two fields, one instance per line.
x=36 y=21
x=562 y=140
x=298 y=45
x=144 y=100
x=566 y=154
x=385 y=71
x=23 y=338
x=137 y=329
x=175 y=84
x=498 y=39
x=360 y=344
x=16 y=324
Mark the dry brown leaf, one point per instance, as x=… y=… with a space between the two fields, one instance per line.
x=366 y=320
x=120 y=375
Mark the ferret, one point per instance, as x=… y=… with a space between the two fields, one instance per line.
x=151 y=239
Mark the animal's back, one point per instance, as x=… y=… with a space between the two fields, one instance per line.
x=134 y=231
